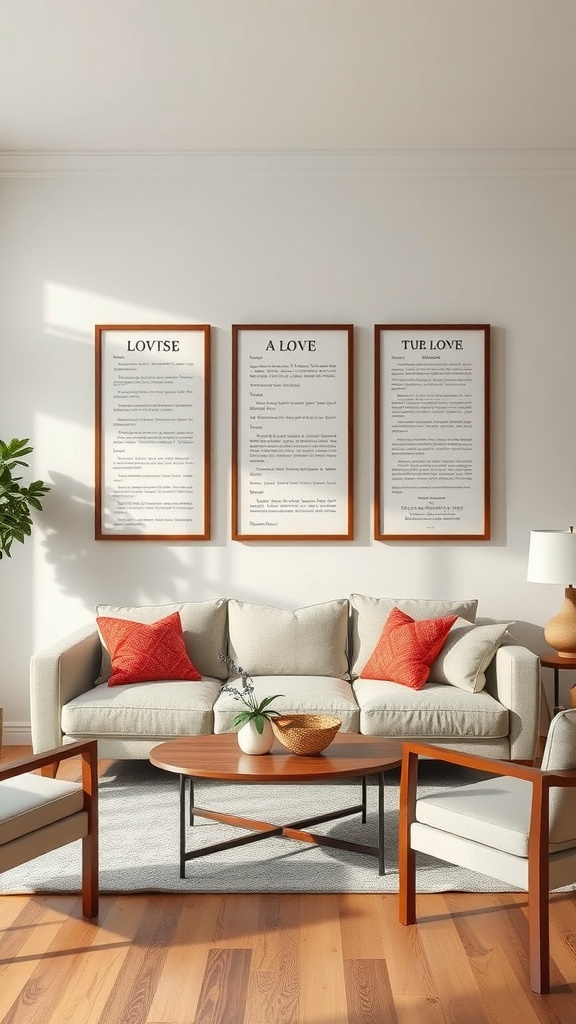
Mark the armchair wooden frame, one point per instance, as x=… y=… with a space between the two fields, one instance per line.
x=538 y=846
x=85 y=824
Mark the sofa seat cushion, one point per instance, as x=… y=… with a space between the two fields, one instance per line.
x=154 y=709
x=301 y=695
x=269 y=641
x=435 y=712
x=29 y=802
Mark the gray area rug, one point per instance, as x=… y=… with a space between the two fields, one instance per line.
x=139 y=840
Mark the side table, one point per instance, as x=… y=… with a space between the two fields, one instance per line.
x=555 y=662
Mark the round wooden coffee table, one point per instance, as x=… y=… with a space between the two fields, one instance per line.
x=219 y=757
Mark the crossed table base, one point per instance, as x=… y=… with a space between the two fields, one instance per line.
x=219 y=757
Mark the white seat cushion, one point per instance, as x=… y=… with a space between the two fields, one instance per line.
x=142 y=710
x=434 y=712
x=494 y=812
x=29 y=802
x=301 y=694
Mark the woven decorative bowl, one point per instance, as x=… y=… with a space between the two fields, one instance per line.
x=305 y=734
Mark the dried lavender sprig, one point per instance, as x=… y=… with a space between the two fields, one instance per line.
x=238 y=670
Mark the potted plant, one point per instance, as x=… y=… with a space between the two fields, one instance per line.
x=255 y=735
x=16 y=500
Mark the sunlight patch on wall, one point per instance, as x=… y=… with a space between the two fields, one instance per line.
x=71 y=313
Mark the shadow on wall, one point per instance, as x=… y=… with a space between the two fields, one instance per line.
x=113 y=572
x=529 y=635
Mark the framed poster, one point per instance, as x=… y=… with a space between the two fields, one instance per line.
x=292 y=432
x=152 y=432
x=432 y=432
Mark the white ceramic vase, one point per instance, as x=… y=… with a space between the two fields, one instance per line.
x=253 y=742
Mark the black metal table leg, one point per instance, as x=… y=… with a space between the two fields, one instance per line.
x=381 y=864
x=182 y=826
x=292 y=830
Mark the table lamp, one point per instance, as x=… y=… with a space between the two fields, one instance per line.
x=552 y=559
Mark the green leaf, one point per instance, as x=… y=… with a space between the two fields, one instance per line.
x=17 y=501
x=34 y=502
x=259 y=722
x=244 y=716
x=268 y=700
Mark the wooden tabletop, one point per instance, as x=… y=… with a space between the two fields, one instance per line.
x=550 y=660
x=219 y=757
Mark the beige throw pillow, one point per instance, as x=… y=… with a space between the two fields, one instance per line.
x=466 y=654
x=269 y=641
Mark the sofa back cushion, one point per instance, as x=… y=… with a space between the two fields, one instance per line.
x=368 y=615
x=203 y=627
x=309 y=641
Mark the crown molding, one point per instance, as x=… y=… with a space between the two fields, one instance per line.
x=161 y=164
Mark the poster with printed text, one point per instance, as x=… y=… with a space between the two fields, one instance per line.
x=152 y=432
x=292 y=432
x=432 y=432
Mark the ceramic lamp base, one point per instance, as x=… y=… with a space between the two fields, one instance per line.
x=560 y=632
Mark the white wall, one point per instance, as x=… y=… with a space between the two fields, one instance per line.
x=316 y=240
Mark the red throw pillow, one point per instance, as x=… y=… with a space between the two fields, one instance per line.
x=406 y=649
x=140 y=651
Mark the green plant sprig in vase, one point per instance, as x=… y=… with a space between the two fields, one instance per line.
x=255 y=712
x=16 y=500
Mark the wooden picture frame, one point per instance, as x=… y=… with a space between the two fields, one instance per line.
x=152 y=432
x=432 y=432
x=292 y=432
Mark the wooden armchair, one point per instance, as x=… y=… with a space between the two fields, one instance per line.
x=39 y=813
x=519 y=827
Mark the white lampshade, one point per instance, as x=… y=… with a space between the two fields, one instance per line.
x=552 y=557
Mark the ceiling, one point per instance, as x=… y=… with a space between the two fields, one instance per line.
x=305 y=75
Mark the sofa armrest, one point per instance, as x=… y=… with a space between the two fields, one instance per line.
x=58 y=673
x=513 y=679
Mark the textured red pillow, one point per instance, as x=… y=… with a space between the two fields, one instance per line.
x=140 y=651
x=406 y=649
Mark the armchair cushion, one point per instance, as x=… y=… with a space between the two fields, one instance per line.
x=560 y=750
x=39 y=813
x=29 y=802
x=494 y=812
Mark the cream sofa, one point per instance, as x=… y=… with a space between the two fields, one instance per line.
x=313 y=656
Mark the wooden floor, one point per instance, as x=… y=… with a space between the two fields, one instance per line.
x=271 y=959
